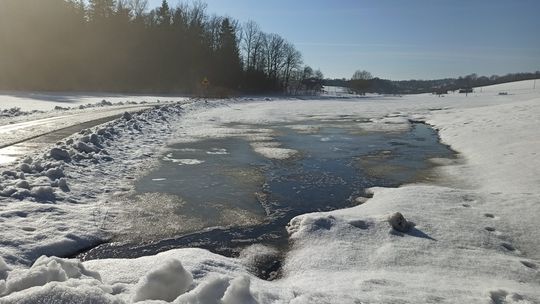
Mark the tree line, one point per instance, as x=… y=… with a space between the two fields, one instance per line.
x=363 y=82
x=121 y=45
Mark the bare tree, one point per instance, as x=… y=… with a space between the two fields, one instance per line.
x=362 y=75
x=307 y=72
x=214 y=27
x=319 y=74
x=293 y=60
x=274 y=55
x=138 y=7
x=360 y=81
x=251 y=36
x=258 y=53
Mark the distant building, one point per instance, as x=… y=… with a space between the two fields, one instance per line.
x=440 y=92
x=466 y=90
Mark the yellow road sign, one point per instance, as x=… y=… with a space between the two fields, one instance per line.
x=205 y=82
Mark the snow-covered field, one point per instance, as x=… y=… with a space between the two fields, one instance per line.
x=44 y=101
x=475 y=238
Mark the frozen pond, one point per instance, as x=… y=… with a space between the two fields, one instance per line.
x=224 y=194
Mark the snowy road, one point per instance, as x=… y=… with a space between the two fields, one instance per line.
x=18 y=132
x=21 y=138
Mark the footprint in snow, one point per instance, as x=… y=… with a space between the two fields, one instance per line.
x=508 y=246
x=493 y=230
x=489 y=215
x=504 y=297
x=529 y=264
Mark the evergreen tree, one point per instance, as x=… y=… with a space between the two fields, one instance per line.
x=163 y=14
x=228 y=56
x=101 y=9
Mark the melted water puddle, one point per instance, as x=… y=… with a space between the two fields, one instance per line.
x=224 y=194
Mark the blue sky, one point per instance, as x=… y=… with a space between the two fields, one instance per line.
x=400 y=39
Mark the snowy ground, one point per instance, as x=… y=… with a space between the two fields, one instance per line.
x=44 y=101
x=475 y=238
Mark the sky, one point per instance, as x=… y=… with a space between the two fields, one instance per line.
x=398 y=39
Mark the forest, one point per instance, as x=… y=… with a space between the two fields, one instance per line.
x=123 y=46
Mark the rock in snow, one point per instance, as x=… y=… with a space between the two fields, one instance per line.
x=398 y=222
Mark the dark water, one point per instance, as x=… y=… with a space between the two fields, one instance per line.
x=230 y=197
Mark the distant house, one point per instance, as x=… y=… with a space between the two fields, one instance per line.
x=440 y=92
x=466 y=90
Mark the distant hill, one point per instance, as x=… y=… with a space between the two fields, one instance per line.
x=385 y=86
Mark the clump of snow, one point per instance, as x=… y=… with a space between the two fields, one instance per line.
x=276 y=153
x=23 y=184
x=105 y=103
x=55 y=173
x=239 y=292
x=10 y=173
x=165 y=283
x=81 y=146
x=127 y=116
x=21 y=194
x=25 y=168
x=71 y=291
x=43 y=193
x=60 y=154
x=62 y=184
x=8 y=191
x=45 y=270
x=217 y=151
x=208 y=292
x=187 y=161
x=272 y=150
x=16 y=111
x=4 y=269
x=305 y=129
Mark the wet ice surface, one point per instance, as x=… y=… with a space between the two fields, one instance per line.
x=220 y=195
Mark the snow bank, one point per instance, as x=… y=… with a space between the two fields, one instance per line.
x=56 y=201
x=205 y=279
x=46 y=270
x=42 y=101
